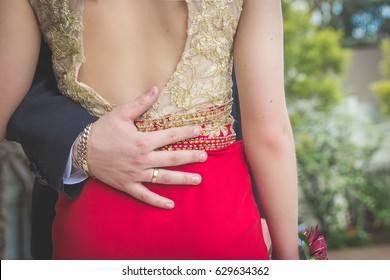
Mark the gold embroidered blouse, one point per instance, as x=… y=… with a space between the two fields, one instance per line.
x=198 y=92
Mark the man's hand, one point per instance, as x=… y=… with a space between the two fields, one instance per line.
x=123 y=158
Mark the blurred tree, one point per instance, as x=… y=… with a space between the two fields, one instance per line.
x=15 y=194
x=364 y=22
x=335 y=150
x=314 y=59
x=335 y=140
x=382 y=88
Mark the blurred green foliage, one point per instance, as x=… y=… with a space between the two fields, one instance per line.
x=336 y=139
x=335 y=149
x=314 y=60
x=382 y=88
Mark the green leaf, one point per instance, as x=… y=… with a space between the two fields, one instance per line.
x=305 y=245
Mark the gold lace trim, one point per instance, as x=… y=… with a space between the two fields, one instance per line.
x=61 y=23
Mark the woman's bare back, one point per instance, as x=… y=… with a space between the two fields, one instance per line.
x=130 y=46
x=107 y=53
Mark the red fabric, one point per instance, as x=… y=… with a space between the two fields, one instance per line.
x=218 y=219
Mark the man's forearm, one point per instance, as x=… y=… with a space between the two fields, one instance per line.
x=46 y=124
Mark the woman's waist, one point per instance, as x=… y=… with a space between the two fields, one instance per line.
x=216 y=125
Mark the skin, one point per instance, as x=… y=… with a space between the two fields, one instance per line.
x=127 y=61
x=258 y=57
x=17 y=63
x=267 y=133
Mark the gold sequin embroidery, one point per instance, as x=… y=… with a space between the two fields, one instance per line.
x=61 y=26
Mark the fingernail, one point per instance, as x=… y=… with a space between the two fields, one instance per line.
x=202 y=157
x=196 y=131
x=169 y=205
x=153 y=91
x=196 y=179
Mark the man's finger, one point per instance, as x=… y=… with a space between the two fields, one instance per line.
x=175 y=158
x=143 y=194
x=170 y=177
x=171 y=135
x=136 y=108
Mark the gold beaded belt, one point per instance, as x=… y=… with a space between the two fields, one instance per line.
x=216 y=124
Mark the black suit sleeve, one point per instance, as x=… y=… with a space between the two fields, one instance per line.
x=46 y=124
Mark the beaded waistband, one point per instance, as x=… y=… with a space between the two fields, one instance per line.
x=216 y=124
x=201 y=143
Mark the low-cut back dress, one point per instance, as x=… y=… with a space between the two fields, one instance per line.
x=218 y=219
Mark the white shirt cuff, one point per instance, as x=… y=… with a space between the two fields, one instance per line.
x=73 y=175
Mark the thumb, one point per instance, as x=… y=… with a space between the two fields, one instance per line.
x=136 y=108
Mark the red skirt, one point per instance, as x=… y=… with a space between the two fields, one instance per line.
x=217 y=219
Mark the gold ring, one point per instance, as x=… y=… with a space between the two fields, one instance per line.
x=155 y=174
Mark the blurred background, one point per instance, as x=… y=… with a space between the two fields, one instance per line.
x=337 y=73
